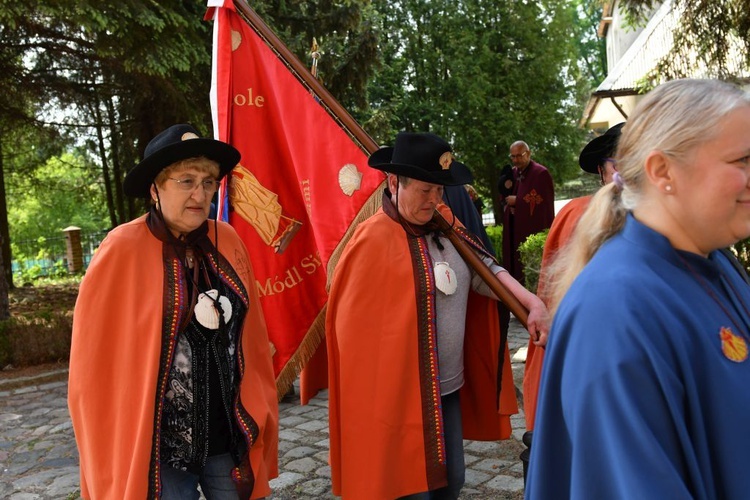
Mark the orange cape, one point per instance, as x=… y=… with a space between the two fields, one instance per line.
x=559 y=234
x=385 y=424
x=115 y=357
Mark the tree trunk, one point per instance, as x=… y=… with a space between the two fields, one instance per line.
x=6 y=270
x=113 y=219
x=4 y=288
x=117 y=173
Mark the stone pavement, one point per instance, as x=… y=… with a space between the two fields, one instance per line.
x=39 y=460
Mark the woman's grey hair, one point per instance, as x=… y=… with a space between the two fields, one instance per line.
x=200 y=163
x=674 y=118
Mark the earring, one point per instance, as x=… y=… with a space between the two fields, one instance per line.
x=668 y=188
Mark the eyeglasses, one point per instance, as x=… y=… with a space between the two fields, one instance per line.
x=513 y=157
x=189 y=184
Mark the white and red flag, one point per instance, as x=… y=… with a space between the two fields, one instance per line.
x=302 y=182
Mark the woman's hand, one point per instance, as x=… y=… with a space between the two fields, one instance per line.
x=538 y=322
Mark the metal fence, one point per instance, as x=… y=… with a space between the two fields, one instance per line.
x=46 y=256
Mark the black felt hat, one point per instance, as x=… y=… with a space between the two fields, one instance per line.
x=178 y=142
x=425 y=157
x=599 y=148
x=506 y=182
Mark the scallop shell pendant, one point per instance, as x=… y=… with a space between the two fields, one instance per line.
x=733 y=346
x=350 y=179
x=206 y=312
x=445 y=278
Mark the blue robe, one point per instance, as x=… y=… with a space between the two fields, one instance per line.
x=645 y=391
x=461 y=205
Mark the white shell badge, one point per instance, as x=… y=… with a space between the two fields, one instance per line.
x=236 y=40
x=350 y=179
x=206 y=313
x=445 y=278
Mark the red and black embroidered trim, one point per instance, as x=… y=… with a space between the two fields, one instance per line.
x=429 y=376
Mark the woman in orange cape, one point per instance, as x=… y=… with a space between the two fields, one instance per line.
x=170 y=366
x=597 y=157
x=392 y=432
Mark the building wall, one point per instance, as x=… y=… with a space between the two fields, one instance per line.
x=620 y=36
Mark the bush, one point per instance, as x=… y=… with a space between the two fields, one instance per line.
x=6 y=354
x=742 y=251
x=495 y=234
x=34 y=341
x=531 y=257
x=39 y=328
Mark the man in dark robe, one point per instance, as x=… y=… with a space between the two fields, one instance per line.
x=529 y=209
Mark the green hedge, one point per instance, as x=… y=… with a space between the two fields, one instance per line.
x=531 y=251
x=495 y=234
x=742 y=251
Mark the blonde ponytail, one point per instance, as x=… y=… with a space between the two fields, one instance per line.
x=674 y=118
x=604 y=217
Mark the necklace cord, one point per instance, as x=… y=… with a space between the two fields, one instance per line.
x=730 y=291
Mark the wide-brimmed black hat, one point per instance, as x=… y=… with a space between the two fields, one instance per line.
x=599 y=148
x=178 y=142
x=425 y=157
x=506 y=182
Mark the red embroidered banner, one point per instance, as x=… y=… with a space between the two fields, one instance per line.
x=300 y=185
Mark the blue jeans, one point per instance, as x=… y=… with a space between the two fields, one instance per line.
x=215 y=480
x=454 y=451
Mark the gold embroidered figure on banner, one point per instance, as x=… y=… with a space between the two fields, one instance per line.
x=260 y=207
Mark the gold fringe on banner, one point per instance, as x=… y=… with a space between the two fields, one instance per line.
x=317 y=331
x=368 y=209
x=302 y=355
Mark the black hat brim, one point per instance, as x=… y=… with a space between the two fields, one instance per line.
x=138 y=181
x=599 y=148
x=457 y=175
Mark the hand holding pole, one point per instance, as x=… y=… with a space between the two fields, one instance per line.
x=476 y=263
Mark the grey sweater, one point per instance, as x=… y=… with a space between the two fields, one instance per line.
x=451 y=312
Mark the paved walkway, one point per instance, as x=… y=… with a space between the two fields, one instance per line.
x=39 y=460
